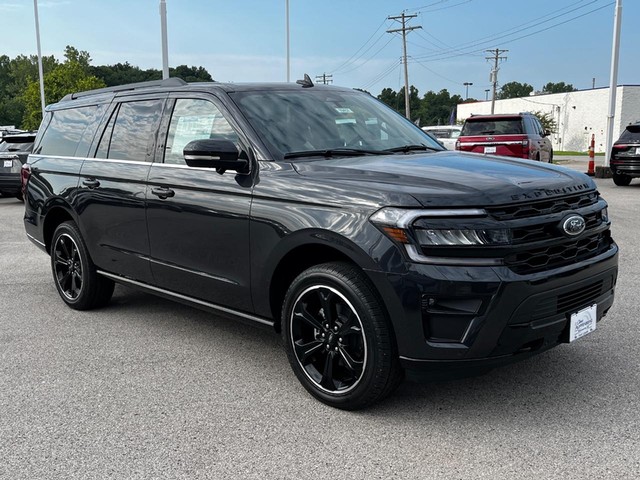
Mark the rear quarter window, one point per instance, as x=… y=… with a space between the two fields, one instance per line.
x=70 y=131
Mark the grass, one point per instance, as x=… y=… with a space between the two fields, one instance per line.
x=584 y=154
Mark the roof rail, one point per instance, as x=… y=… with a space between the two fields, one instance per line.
x=167 y=82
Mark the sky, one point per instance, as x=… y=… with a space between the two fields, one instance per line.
x=245 y=41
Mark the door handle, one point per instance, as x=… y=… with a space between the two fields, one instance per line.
x=163 y=192
x=91 y=183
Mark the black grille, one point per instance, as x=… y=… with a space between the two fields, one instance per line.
x=543 y=207
x=558 y=255
x=545 y=231
x=569 y=302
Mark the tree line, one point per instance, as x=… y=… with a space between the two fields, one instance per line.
x=20 y=89
x=439 y=108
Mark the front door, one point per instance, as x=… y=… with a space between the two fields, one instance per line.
x=198 y=219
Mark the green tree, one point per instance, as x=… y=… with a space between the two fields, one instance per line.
x=548 y=122
x=389 y=97
x=559 y=87
x=191 y=74
x=514 y=90
x=65 y=78
x=15 y=74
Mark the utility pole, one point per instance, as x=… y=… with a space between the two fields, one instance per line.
x=493 y=78
x=324 y=79
x=403 y=20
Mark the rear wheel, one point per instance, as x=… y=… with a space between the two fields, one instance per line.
x=338 y=339
x=74 y=274
x=621 y=180
x=551 y=157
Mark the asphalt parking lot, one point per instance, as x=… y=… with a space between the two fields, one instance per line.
x=147 y=388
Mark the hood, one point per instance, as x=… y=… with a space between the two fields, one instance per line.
x=451 y=178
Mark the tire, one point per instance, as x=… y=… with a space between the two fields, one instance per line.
x=621 y=180
x=74 y=274
x=346 y=358
x=551 y=157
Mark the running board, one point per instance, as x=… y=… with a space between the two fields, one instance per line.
x=194 y=302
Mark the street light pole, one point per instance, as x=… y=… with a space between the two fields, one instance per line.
x=613 y=81
x=466 y=84
x=486 y=94
x=40 y=74
x=288 y=43
x=165 y=48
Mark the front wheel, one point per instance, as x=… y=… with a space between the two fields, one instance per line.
x=338 y=339
x=621 y=180
x=74 y=274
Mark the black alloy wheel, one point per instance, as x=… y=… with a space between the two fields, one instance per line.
x=339 y=342
x=67 y=267
x=74 y=274
x=328 y=339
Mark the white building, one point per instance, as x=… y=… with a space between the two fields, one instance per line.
x=578 y=114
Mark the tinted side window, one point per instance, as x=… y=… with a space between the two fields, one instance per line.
x=134 y=130
x=195 y=119
x=70 y=131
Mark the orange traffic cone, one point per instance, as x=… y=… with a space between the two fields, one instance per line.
x=591 y=169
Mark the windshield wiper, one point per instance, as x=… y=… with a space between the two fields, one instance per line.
x=411 y=148
x=334 y=152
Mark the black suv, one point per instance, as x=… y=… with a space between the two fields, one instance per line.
x=625 y=156
x=14 y=149
x=320 y=213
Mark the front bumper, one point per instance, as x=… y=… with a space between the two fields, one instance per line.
x=483 y=317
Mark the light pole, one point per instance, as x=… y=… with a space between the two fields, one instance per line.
x=165 y=48
x=35 y=11
x=288 y=43
x=466 y=84
x=486 y=94
x=613 y=81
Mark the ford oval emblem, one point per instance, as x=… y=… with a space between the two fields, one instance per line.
x=573 y=225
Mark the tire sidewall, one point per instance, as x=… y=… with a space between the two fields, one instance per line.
x=314 y=277
x=67 y=228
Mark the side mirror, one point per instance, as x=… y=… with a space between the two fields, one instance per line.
x=219 y=154
x=547 y=133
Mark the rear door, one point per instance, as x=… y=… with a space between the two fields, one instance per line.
x=198 y=219
x=111 y=198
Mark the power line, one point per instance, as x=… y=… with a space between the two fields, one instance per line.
x=351 y=59
x=324 y=79
x=491 y=39
x=382 y=75
x=368 y=59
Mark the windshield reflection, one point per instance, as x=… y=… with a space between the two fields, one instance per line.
x=321 y=119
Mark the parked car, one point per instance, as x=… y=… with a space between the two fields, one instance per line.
x=14 y=149
x=516 y=135
x=446 y=134
x=320 y=213
x=625 y=156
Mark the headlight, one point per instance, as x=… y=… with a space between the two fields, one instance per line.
x=463 y=237
x=398 y=225
x=604 y=215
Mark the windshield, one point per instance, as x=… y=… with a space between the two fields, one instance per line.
x=631 y=134
x=503 y=126
x=16 y=144
x=309 y=120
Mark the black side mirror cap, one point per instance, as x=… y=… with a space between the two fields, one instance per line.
x=219 y=154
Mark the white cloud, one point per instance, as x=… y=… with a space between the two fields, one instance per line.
x=10 y=7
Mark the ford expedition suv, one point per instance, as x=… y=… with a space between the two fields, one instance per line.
x=518 y=135
x=318 y=212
